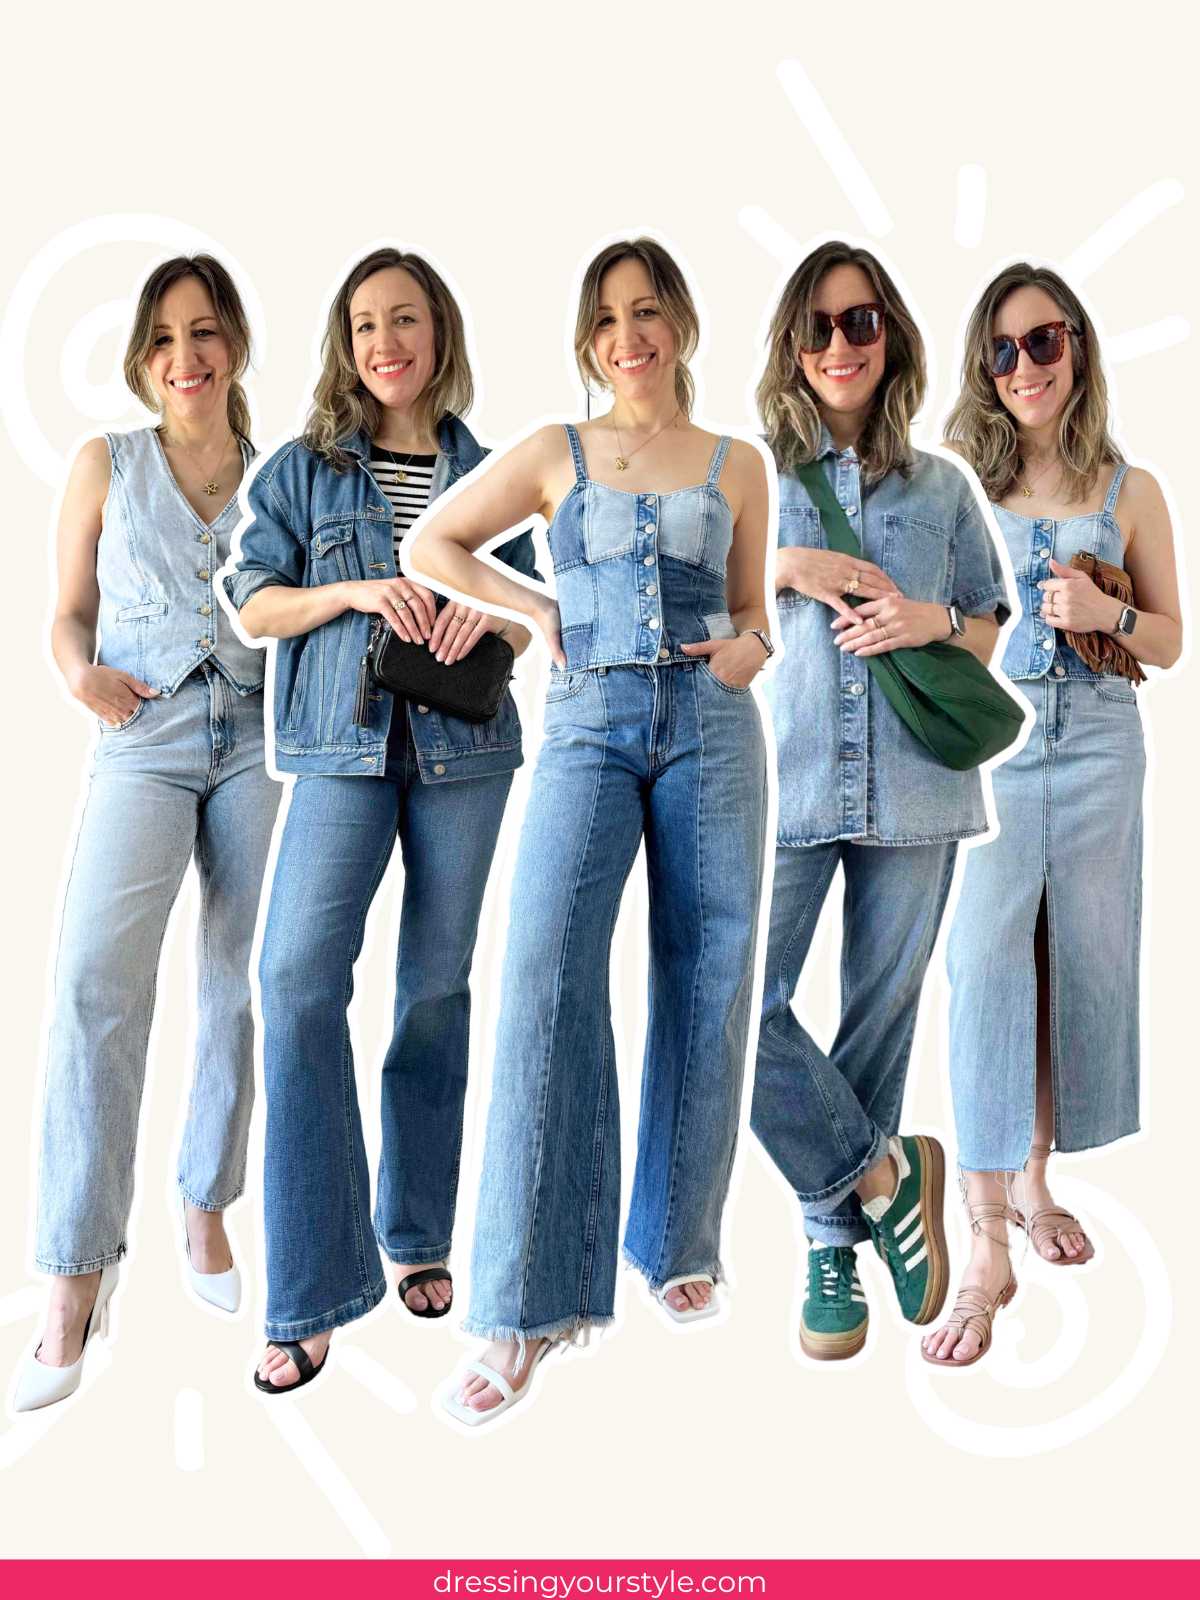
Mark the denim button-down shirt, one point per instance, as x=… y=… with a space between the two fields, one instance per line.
x=1036 y=648
x=311 y=525
x=848 y=766
x=638 y=575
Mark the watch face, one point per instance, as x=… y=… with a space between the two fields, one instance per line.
x=1128 y=618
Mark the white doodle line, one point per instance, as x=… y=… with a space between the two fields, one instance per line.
x=1122 y=226
x=832 y=143
x=328 y=1477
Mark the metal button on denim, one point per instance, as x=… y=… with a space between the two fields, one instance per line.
x=651 y=588
x=857 y=688
x=1060 y=672
x=205 y=611
x=205 y=538
x=647 y=561
x=1044 y=553
x=203 y=574
x=439 y=768
x=422 y=709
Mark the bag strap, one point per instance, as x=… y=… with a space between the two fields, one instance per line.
x=838 y=532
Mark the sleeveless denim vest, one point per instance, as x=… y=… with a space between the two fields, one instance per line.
x=639 y=574
x=1035 y=647
x=155 y=564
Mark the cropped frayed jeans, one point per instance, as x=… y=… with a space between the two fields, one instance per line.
x=183 y=779
x=672 y=756
x=323 y=1252
x=824 y=1119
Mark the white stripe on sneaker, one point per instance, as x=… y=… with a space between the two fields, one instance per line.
x=916 y=1260
x=900 y=1226
x=913 y=1239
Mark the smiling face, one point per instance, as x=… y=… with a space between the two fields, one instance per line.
x=1033 y=395
x=189 y=364
x=392 y=336
x=633 y=342
x=844 y=377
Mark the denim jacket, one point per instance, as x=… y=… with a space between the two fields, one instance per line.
x=1036 y=648
x=311 y=525
x=848 y=766
x=640 y=574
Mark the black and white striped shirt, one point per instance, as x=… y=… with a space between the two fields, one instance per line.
x=406 y=480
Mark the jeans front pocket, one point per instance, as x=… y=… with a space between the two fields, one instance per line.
x=120 y=727
x=565 y=685
x=729 y=688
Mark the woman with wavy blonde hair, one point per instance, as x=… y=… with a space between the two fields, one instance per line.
x=1044 y=950
x=178 y=775
x=657 y=529
x=319 y=563
x=845 y=375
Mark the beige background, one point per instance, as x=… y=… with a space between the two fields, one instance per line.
x=506 y=140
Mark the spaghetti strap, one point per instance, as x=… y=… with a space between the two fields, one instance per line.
x=576 y=453
x=718 y=459
x=1114 y=488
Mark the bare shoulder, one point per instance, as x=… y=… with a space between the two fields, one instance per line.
x=93 y=464
x=1142 y=492
x=88 y=482
x=747 y=463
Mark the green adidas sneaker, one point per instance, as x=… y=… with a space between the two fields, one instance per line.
x=833 y=1323
x=907 y=1230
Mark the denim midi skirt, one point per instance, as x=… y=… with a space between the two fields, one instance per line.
x=1069 y=805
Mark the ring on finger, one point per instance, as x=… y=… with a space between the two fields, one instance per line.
x=401 y=605
x=852 y=584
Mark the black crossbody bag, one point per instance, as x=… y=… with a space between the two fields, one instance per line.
x=472 y=688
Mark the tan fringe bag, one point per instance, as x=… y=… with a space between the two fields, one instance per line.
x=1102 y=651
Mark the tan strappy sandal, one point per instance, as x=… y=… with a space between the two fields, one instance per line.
x=973 y=1310
x=1047 y=1225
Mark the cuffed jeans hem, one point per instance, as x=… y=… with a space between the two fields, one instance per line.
x=420 y=1253
x=712 y=1270
x=837 y=1231
x=76 y=1269
x=348 y=1311
x=499 y=1332
x=844 y=1187
x=210 y=1205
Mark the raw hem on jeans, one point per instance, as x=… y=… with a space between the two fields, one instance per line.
x=76 y=1269
x=348 y=1311
x=837 y=1233
x=211 y=1205
x=1068 y=1149
x=498 y=1333
x=712 y=1270
x=425 y=1256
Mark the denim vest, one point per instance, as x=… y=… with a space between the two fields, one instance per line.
x=638 y=575
x=310 y=524
x=1036 y=647
x=155 y=565
x=848 y=766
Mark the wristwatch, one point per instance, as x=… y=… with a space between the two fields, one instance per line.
x=763 y=639
x=958 y=627
x=1126 y=621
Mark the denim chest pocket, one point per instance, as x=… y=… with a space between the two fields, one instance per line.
x=335 y=554
x=144 y=613
x=918 y=556
x=798 y=525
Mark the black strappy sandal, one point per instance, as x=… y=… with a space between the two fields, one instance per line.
x=415 y=1280
x=298 y=1354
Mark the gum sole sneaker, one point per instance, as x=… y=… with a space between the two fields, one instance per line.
x=908 y=1231
x=833 y=1323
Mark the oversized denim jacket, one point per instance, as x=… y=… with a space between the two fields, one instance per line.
x=311 y=525
x=848 y=766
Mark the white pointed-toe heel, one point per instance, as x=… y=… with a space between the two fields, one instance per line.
x=40 y=1385
x=220 y=1289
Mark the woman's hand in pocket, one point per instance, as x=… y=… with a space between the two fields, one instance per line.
x=735 y=662
x=110 y=695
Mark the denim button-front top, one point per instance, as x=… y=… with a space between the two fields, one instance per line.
x=1035 y=647
x=848 y=766
x=638 y=575
x=156 y=563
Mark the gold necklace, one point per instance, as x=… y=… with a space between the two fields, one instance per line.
x=622 y=460
x=210 y=485
x=1026 y=491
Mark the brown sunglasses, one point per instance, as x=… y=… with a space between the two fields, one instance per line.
x=860 y=325
x=1043 y=345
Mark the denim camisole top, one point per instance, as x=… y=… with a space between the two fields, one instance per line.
x=155 y=565
x=1035 y=647
x=639 y=574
